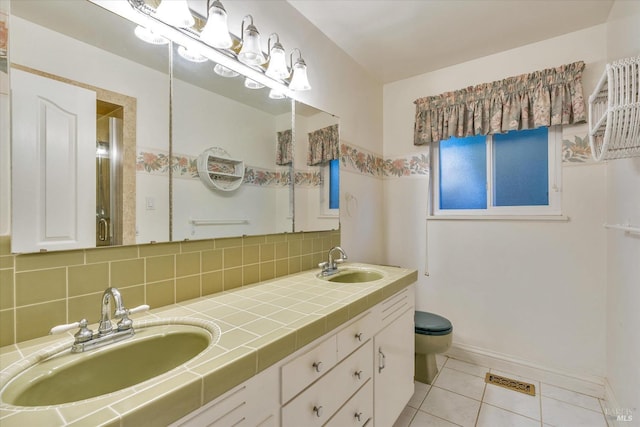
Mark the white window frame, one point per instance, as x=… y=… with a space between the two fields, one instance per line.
x=554 y=179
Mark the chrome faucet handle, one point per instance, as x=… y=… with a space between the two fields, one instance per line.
x=127 y=323
x=83 y=335
x=323 y=265
x=64 y=328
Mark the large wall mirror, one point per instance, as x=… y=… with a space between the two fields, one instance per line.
x=74 y=50
x=220 y=124
x=129 y=191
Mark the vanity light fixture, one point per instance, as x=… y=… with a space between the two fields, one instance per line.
x=176 y=13
x=250 y=53
x=252 y=84
x=216 y=31
x=191 y=55
x=147 y=35
x=210 y=38
x=277 y=68
x=299 y=80
x=223 y=71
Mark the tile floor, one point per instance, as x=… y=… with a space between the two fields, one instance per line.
x=460 y=397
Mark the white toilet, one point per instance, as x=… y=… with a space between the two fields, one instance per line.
x=433 y=335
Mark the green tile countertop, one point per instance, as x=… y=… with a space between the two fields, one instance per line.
x=261 y=324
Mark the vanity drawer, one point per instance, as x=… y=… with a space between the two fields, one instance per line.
x=318 y=403
x=307 y=368
x=358 y=411
x=354 y=335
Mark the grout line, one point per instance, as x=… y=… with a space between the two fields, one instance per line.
x=540 y=400
x=572 y=404
x=484 y=390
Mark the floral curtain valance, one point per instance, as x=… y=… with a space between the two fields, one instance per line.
x=324 y=145
x=543 y=98
x=284 y=148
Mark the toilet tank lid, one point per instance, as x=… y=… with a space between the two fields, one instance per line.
x=431 y=324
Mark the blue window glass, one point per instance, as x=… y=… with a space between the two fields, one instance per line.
x=520 y=168
x=463 y=173
x=334 y=184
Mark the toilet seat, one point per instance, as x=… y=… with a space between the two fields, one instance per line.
x=431 y=324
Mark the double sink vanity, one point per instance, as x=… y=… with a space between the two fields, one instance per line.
x=302 y=350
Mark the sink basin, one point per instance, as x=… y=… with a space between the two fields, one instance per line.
x=354 y=276
x=69 y=377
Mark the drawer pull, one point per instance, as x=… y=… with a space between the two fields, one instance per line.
x=358 y=336
x=317 y=366
x=381 y=360
x=318 y=411
x=358 y=415
x=357 y=374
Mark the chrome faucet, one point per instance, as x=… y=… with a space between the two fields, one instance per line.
x=85 y=339
x=330 y=267
x=105 y=327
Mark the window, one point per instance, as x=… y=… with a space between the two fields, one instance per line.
x=334 y=184
x=516 y=173
x=330 y=189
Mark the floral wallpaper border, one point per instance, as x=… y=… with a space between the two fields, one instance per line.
x=361 y=161
x=575 y=150
x=156 y=162
x=356 y=159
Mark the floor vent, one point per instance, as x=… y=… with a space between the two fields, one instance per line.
x=505 y=382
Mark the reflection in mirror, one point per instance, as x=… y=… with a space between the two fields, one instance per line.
x=225 y=137
x=317 y=169
x=100 y=195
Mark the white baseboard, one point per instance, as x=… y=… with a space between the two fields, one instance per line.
x=611 y=404
x=589 y=385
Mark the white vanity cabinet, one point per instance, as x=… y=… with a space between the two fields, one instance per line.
x=360 y=374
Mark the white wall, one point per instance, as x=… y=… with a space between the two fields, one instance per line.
x=623 y=250
x=529 y=291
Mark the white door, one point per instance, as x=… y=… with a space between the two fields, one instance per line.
x=393 y=370
x=53 y=151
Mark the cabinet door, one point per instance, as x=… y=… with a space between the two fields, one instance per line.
x=393 y=370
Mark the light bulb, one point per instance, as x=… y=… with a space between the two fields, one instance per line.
x=251 y=53
x=176 y=13
x=216 y=31
x=277 y=68
x=274 y=94
x=299 y=80
x=149 y=36
x=252 y=84
x=191 y=55
x=223 y=71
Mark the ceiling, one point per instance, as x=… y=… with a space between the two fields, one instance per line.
x=397 y=39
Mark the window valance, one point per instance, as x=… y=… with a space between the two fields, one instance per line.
x=548 y=97
x=284 y=148
x=324 y=145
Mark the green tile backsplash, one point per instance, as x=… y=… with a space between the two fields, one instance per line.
x=38 y=291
